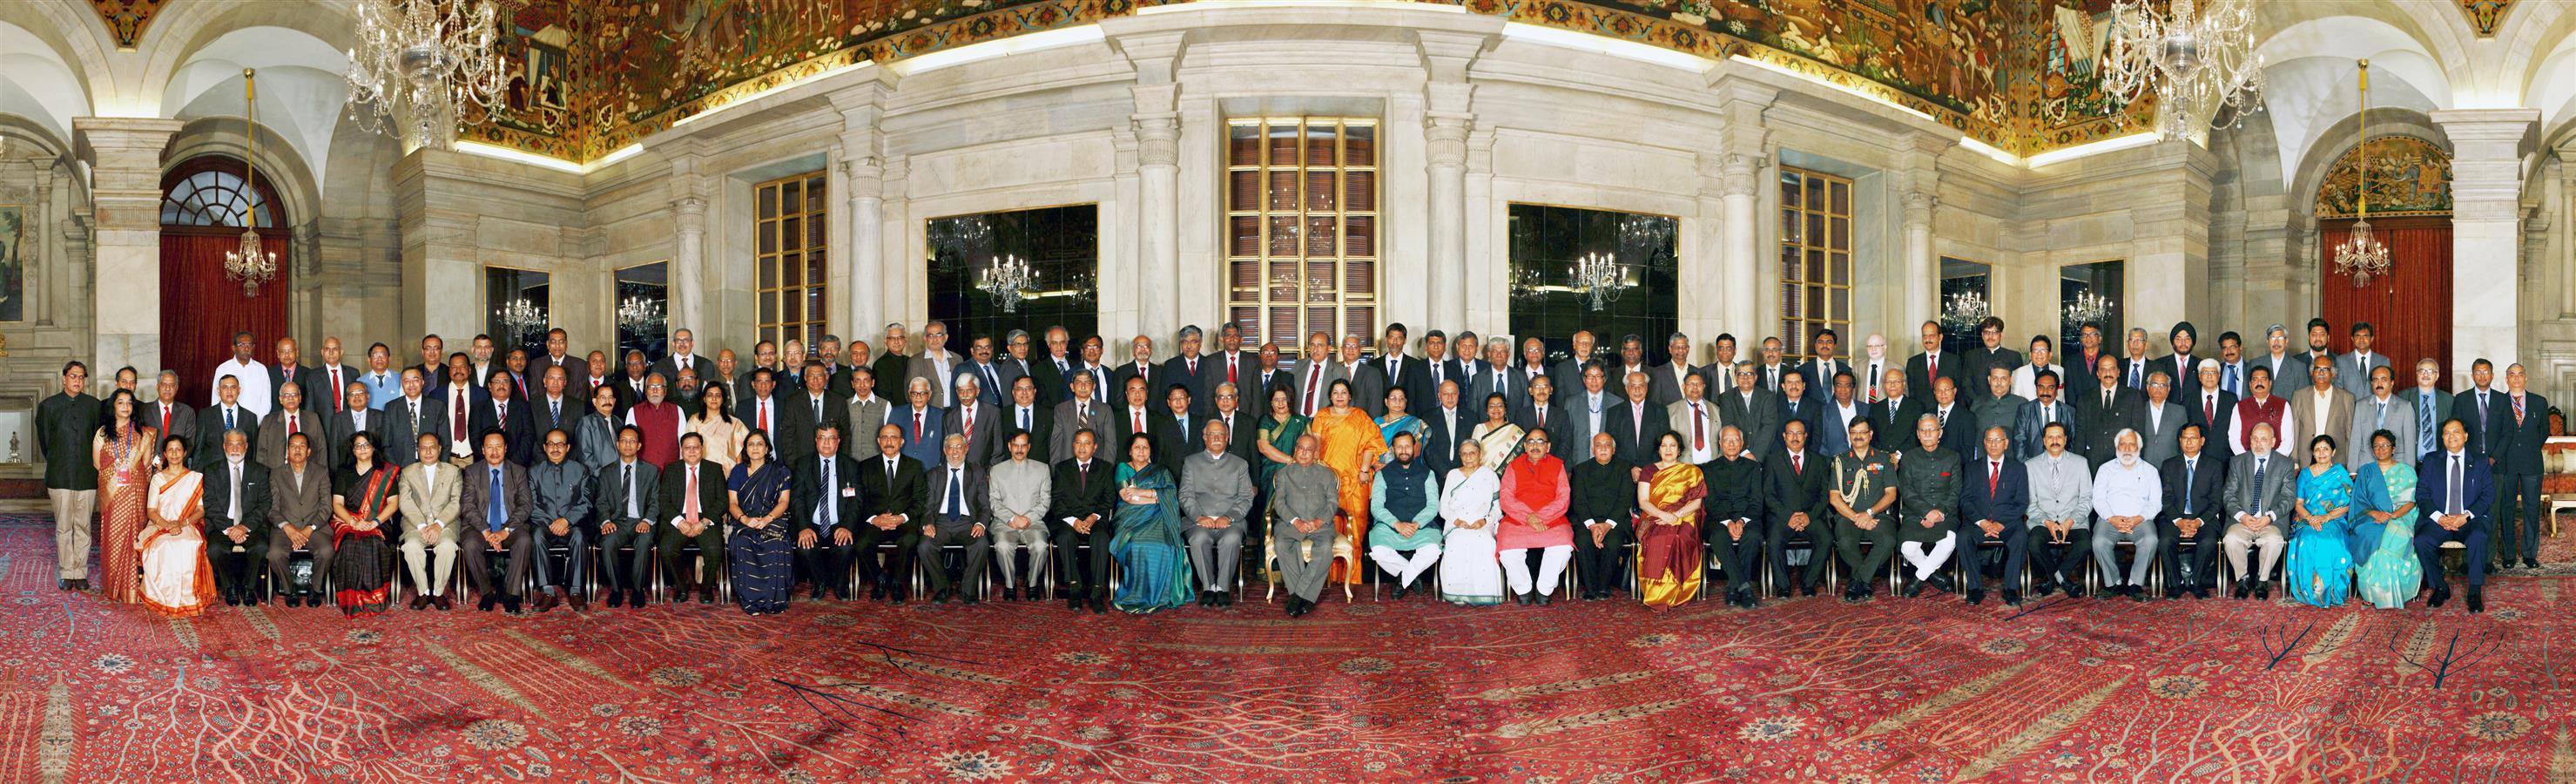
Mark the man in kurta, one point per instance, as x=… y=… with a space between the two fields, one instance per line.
x=2127 y=495
x=1303 y=497
x=1535 y=496
x=1927 y=515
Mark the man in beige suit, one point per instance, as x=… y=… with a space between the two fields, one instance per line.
x=430 y=490
x=2321 y=409
x=1695 y=419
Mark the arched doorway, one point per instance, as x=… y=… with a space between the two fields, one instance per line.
x=2409 y=308
x=204 y=207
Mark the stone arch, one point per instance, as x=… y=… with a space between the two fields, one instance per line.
x=298 y=192
x=180 y=33
x=69 y=31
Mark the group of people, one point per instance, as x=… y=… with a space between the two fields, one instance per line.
x=1464 y=471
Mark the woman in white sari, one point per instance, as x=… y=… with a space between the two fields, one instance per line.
x=177 y=581
x=1471 y=502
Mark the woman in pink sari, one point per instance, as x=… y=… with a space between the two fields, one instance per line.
x=177 y=580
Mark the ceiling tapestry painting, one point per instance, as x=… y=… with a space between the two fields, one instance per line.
x=597 y=76
x=126 y=18
x=2408 y=176
x=2485 y=15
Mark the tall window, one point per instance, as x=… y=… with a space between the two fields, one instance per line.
x=1550 y=300
x=1301 y=227
x=518 y=309
x=1815 y=257
x=643 y=311
x=790 y=228
x=1060 y=247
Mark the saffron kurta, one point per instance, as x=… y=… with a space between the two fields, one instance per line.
x=1535 y=489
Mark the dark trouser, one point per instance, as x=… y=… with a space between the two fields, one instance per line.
x=576 y=571
x=1077 y=572
x=1819 y=535
x=2059 y=562
x=828 y=563
x=958 y=532
x=1981 y=562
x=1256 y=535
x=889 y=576
x=667 y=544
x=1598 y=567
x=280 y=549
x=1881 y=539
x=2429 y=537
x=2193 y=562
x=2518 y=511
x=639 y=565
x=236 y=573
x=478 y=561
x=1741 y=559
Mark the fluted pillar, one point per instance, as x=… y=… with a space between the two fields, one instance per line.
x=1158 y=168
x=868 y=273
x=2486 y=232
x=1739 y=178
x=1447 y=186
x=1922 y=277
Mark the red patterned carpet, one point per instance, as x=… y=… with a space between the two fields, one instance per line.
x=1807 y=690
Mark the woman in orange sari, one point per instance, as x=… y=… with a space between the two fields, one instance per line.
x=1352 y=443
x=177 y=580
x=1670 y=557
x=123 y=450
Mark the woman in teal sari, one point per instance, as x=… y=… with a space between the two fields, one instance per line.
x=2320 y=567
x=1397 y=420
x=1154 y=567
x=2390 y=571
x=1279 y=433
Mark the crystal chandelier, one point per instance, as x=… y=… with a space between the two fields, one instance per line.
x=2194 y=65
x=1963 y=311
x=521 y=317
x=1006 y=280
x=250 y=264
x=424 y=64
x=1595 y=274
x=638 y=314
x=2359 y=255
x=2088 y=308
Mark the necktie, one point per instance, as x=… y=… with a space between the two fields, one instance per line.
x=2259 y=466
x=629 y=478
x=955 y=505
x=493 y=516
x=165 y=420
x=831 y=493
x=1542 y=416
x=2134 y=381
x=1699 y=429
x=1873 y=383
x=554 y=410
x=689 y=504
x=1231 y=361
x=2453 y=489
x=460 y=415
x=917 y=426
x=1314 y=378
x=232 y=508
x=1024 y=418
x=339 y=402
x=291 y=422
x=2228 y=383
x=1191 y=366
x=970 y=422
x=1139 y=416
x=1637 y=421
x=229 y=423
x=1994 y=478
x=2106 y=400
x=2209 y=408
x=1931 y=366
x=2517 y=409
x=818 y=408
x=2190 y=466
x=2424 y=427
x=764 y=417
x=2383 y=415
x=1944 y=418
x=992 y=383
x=1773 y=378
x=1797 y=463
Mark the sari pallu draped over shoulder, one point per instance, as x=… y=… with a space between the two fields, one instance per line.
x=1670 y=557
x=358 y=571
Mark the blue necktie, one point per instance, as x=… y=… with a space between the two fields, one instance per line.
x=229 y=424
x=2425 y=430
x=955 y=506
x=2189 y=467
x=494 y=517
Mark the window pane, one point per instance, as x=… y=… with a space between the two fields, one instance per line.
x=1243 y=145
x=1060 y=246
x=1359 y=191
x=1320 y=235
x=1243 y=191
x=768 y=202
x=1548 y=302
x=791 y=234
x=1359 y=145
x=1359 y=236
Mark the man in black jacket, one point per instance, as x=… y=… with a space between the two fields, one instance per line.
x=625 y=493
x=1603 y=508
x=1079 y=507
x=2193 y=483
x=826 y=514
x=1731 y=517
x=236 y=518
x=890 y=488
x=1795 y=501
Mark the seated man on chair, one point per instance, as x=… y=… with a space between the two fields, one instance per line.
x=1993 y=509
x=1928 y=486
x=1862 y=490
x=237 y=522
x=2455 y=485
x=300 y=491
x=827 y=511
x=693 y=506
x=2261 y=484
x=1216 y=502
x=431 y=493
x=1404 y=506
x=957 y=513
x=2128 y=496
x=1303 y=496
x=2192 y=483
x=2061 y=514
x=561 y=488
x=1084 y=496
x=496 y=497
x=624 y=495
x=1020 y=489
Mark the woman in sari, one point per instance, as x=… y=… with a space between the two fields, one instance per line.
x=1471 y=500
x=1154 y=566
x=1398 y=421
x=2390 y=573
x=365 y=495
x=716 y=426
x=1670 y=556
x=763 y=562
x=1497 y=434
x=1278 y=444
x=123 y=452
x=2320 y=568
x=1352 y=445
x=177 y=580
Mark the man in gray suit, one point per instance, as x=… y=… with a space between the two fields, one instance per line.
x=274 y=428
x=1495 y=376
x=935 y=363
x=1753 y=410
x=2352 y=368
x=2381 y=409
x=170 y=417
x=957 y=513
x=562 y=492
x=300 y=504
x=501 y=510
x=2322 y=408
x=975 y=419
x=2432 y=405
x=1076 y=414
x=1316 y=372
x=1216 y=499
x=1302 y=499
x=1667 y=377
x=2260 y=491
x=1016 y=494
x=2159 y=421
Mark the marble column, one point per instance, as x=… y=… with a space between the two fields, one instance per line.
x=2486 y=232
x=1158 y=250
x=688 y=264
x=1922 y=277
x=1743 y=259
x=1447 y=184
x=124 y=156
x=867 y=246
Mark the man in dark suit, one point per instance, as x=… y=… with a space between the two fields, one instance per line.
x=806 y=411
x=433 y=359
x=1994 y=506
x=1024 y=413
x=1906 y=404
x=1666 y=379
x=1757 y=412
x=499 y=409
x=1445 y=420
x=1176 y=425
x=1081 y=500
x=1237 y=366
x=626 y=493
x=559 y=355
x=684 y=348
x=357 y=415
x=891 y=490
x=1079 y=411
x=975 y=419
x=1635 y=422
x=2455 y=485
x=1567 y=372
x=692 y=507
x=2214 y=409
x=2184 y=368
x=1494 y=375
x=2101 y=414
x=288 y=368
x=1542 y=410
x=2193 y=481
x=331 y=374
x=1243 y=428
x=1055 y=369
x=237 y=525
x=1797 y=510
x=1140 y=364
x=827 y=508
x=557 y=403
x=1921 y=369
x=1135 y=414
x=980 y=365
x=500 y=513
x=226 y=414
x=1269 y=376
x=2518 y=468
x=1992 y=353
x=169 y=417
x=2034 y=419
x=1820 y=371
x=1402 y=371
x=1602 y=506
x=956 y=514
x=1192 y=371
x=1796 y=406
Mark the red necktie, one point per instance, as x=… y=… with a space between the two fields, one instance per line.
x=339 y=402
x=1314 y=378
x=1932 y=366
x=1994 y=478
x=460 y=416
x=970 y=423
x=1230 y=362
x=165 y=420
x=2210 y=403
x=764 y=417
x=1139 y=414
x=1699 y=428
x=916 y=427
x=1797 y=463
x=290 y=422
x=2517 y=409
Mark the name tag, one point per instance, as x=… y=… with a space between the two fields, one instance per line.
x=849 y=492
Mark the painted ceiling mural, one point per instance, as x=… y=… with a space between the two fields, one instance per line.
x=2408 y=176
x=2485 y=14
x=598 y=75
x=126 y=18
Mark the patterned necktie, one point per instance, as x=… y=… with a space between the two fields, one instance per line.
x=1699 y=429
x=2425 y=430
x=2259 y=467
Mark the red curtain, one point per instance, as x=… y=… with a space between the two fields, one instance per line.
x=201 y=309
x=2409 y=309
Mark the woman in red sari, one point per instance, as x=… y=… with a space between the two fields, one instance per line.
x=123 y=450
x=364 y=497
x=1669 y=553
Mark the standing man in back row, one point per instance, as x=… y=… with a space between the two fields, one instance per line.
x=65 y=423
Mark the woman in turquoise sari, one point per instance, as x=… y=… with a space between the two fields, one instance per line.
x=1397 y=420
x=2320 y=566
x=1279 y=433
x=1154 y=567
x=2390 y=572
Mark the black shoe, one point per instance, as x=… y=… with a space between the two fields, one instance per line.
x=2244 y=587
x=1851 y=594
x=510 y=604
x=2200 y=592
x=969 y=599
x=2263 y=591
x=2477 y=600
x=2531 y=563
x=939 y=596
x=616 y=598
x=1520 y=598
x=2440 y=595
x=876 y=593
x=1220 y=599
x=2043 y=587
x=2012 y=598
x=1976 y=596
x=895 y=597
x=1913 y=588
x=1010 y=594
x=1943 y=582
x=487 y=602
x=1809 y=590
x=2137 y=593
x=1539 y=599
x=1074 y=601
x=1099 y=604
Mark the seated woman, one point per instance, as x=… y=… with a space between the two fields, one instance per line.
x=1398 y=421
x=364 y=496
x=1153 y=563
x=2386 y=493
x=177 y=580
x=2320 y=567
x=1470 y=500
x=1670 y=553
x=757 y=549
x=1404 y=534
